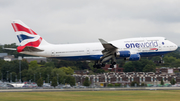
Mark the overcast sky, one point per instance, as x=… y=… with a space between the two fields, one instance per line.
x=77 y=21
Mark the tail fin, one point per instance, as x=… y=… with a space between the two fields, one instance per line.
x=26 y=36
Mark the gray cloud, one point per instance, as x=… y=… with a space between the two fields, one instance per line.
x=75 y=21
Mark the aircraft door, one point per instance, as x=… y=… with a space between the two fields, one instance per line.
x=159 y=46
x=87 y=50
x=53 y=53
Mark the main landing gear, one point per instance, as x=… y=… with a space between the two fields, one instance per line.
x=161 y=61
x=112 y=64
x=99 y=65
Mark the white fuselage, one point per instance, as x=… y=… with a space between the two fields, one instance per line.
x=146 y=46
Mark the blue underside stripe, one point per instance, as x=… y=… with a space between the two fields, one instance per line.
x=97 y=57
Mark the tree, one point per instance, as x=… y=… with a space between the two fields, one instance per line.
x=133 y=83
x=162 y=82
x=110 y=85
x=99 y=70
x=33 y=65
x=86 y=82
x=129 y=67
x=143 y=84
x=49 y=64
x=40 y=82
x=168 y=60
x=54 y=82
x=149 y=68
x=172 y=81
x=67 y=70
x=117 y=84
x=138 y=66
x=70 y=80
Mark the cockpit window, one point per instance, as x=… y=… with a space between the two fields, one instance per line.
x=165 y=39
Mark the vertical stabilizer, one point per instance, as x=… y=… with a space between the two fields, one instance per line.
x=26 y=36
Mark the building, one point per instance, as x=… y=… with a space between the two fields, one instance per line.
x=127 y=78
x=2 y=55
x=38 y=59
x=116 y=69
x=164 y=70
x=9 y=58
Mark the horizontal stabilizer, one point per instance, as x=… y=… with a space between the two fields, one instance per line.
x=32 y=49
x=10 y=48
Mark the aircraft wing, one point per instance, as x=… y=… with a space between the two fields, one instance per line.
x=107 y=46
x=109 y=50
x=10 y=48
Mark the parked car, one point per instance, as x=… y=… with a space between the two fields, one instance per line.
x=67 y=86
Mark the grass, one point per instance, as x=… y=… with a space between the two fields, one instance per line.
x=163 y=95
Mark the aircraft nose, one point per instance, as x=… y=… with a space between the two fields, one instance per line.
x=175 y=46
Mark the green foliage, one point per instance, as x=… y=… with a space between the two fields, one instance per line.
x=67 y=70
x=149 y=68
x=33 y=65
x=10 y=52
x=133 y=83
x=99 y=70
x=173 y=81
x=138 y=66
x=143 y=84
x=86 y=82
x=162 y=82
x=40 y=82
x=70 y=80
x=117 y=84
x=54 y=82
x=110 y=85
x=49 y=64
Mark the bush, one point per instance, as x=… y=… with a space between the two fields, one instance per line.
x=70 y=80
x=134 y=82
x=117 y=85
x=143 y=84
x=86 y=82
x=40 y=82
x=162 y=82
x=173 y=81
x=54 y=82
x=110 y=85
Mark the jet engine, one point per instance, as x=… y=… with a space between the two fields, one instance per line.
x=123 y=54
x=133 y=57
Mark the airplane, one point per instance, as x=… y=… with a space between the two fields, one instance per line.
x=131 y=49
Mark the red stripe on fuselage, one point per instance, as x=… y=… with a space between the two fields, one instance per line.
x=18 y=27
x=153 y=48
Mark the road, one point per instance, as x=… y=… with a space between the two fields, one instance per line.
x=89 y=89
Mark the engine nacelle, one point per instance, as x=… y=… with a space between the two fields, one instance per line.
x=123 y=54
x=134 y=57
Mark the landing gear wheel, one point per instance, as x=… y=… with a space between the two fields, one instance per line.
x=111 y=66
x=97 y=66
x=102 y=65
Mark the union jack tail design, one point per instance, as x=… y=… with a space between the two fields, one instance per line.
x=26 y=36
